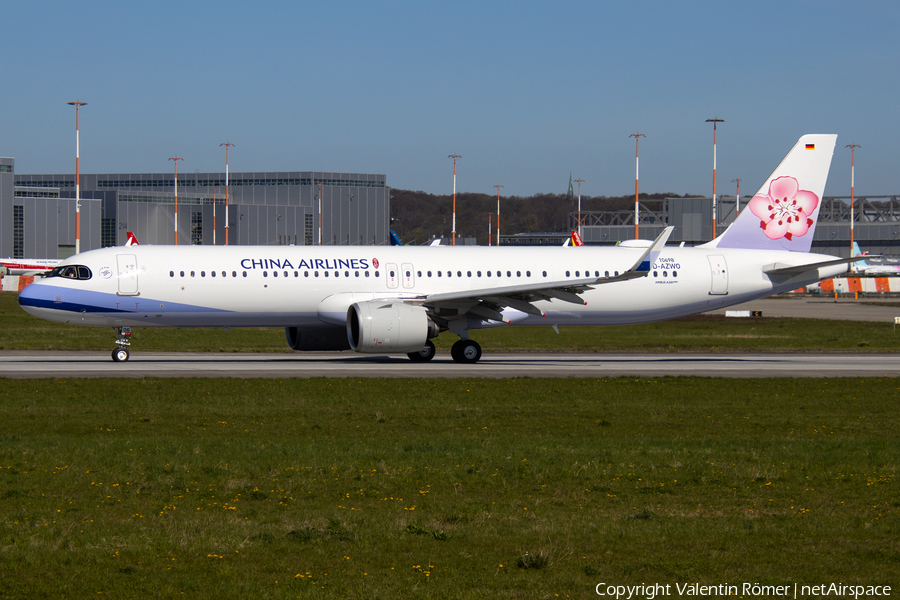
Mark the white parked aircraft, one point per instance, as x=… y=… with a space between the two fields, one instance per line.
x=864 y=268
x=27 y=266
x=394 y=299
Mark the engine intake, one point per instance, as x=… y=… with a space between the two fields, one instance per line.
x=381 y=326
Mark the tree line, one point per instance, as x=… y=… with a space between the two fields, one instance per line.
x=418 y=217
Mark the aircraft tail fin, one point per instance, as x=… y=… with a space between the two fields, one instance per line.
x=783 y=213
x=576 y=239
x=132 y=239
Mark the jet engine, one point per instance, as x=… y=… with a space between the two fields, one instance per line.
x=317 y=338
x=382 y=326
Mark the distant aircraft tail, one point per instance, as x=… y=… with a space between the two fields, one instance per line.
x=576 y=239
x=132 y=239
x=857 y=252
x=783 y=213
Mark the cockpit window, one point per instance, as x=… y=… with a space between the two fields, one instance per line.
x=71 y=272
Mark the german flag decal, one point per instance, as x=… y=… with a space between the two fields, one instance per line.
x=810 y=146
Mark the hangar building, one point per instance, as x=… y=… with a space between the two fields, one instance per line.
x=37 y=212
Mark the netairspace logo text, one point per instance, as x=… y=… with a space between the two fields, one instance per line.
x=654 y=590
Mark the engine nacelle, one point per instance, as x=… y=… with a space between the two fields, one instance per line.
x=382 y=326
x=317 y=338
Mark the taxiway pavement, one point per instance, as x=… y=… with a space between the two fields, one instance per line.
x=42 y=364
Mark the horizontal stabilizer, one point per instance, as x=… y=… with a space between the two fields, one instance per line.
x=779 y=269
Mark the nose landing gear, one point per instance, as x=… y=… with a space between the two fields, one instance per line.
x=121 y=354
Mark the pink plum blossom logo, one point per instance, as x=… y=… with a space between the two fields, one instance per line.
x=375 y=262
x=786 y=211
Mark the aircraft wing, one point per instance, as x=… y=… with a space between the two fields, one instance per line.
x=488 y=303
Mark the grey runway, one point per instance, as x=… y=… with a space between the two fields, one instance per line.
x=43 y=364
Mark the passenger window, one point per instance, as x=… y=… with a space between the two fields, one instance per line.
x=202 y=273
x=316 y=273
x=674 y=273
x=527 y=273
x=213 y=273
x=171 y=273
x=285 y=274
x=459 y=273
x=306 y=273
x=479 y=273
x=567 y=273
x=468 y=273
x=655 y=274
x=266 y=274
x=224 y=274
x=665 y=274
x=367 y=273
x=545 y=273
x=429 y=273
x=245 y=273
x=488 y=273
x=508 y=274
x=439 y=273
x=192 y=273
x=377 y=273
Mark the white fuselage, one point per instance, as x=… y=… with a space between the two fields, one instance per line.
x=295 y=286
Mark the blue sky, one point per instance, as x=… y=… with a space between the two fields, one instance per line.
x=525 y=91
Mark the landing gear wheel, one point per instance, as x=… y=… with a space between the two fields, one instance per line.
x=423 y=355
x=466 y=352
x=120 y=354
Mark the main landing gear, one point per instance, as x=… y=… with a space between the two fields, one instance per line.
x=467 y=352
x=425 y=354
x=121 y=354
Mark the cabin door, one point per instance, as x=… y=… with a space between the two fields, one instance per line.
x=393 y=276
x=128 y=274
x=408 y=276
x=719 y=273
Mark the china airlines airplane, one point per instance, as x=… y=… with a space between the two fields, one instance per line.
x=395 y=299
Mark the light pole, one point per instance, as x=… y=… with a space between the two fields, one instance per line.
x=320 y=213
x=176 y=159
x=580 y=181
x=853 y=148
x=737 y=209
x=637 y=152
x=715 y=121
x=214 y=190
x=77 y=104
x=498 y=186
x=489 y=227
x=226 y=144
x=454 y=157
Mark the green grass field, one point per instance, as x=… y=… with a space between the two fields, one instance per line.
x=523 y=488
x=517 y=488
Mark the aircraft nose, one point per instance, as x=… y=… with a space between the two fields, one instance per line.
x=34 y=295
